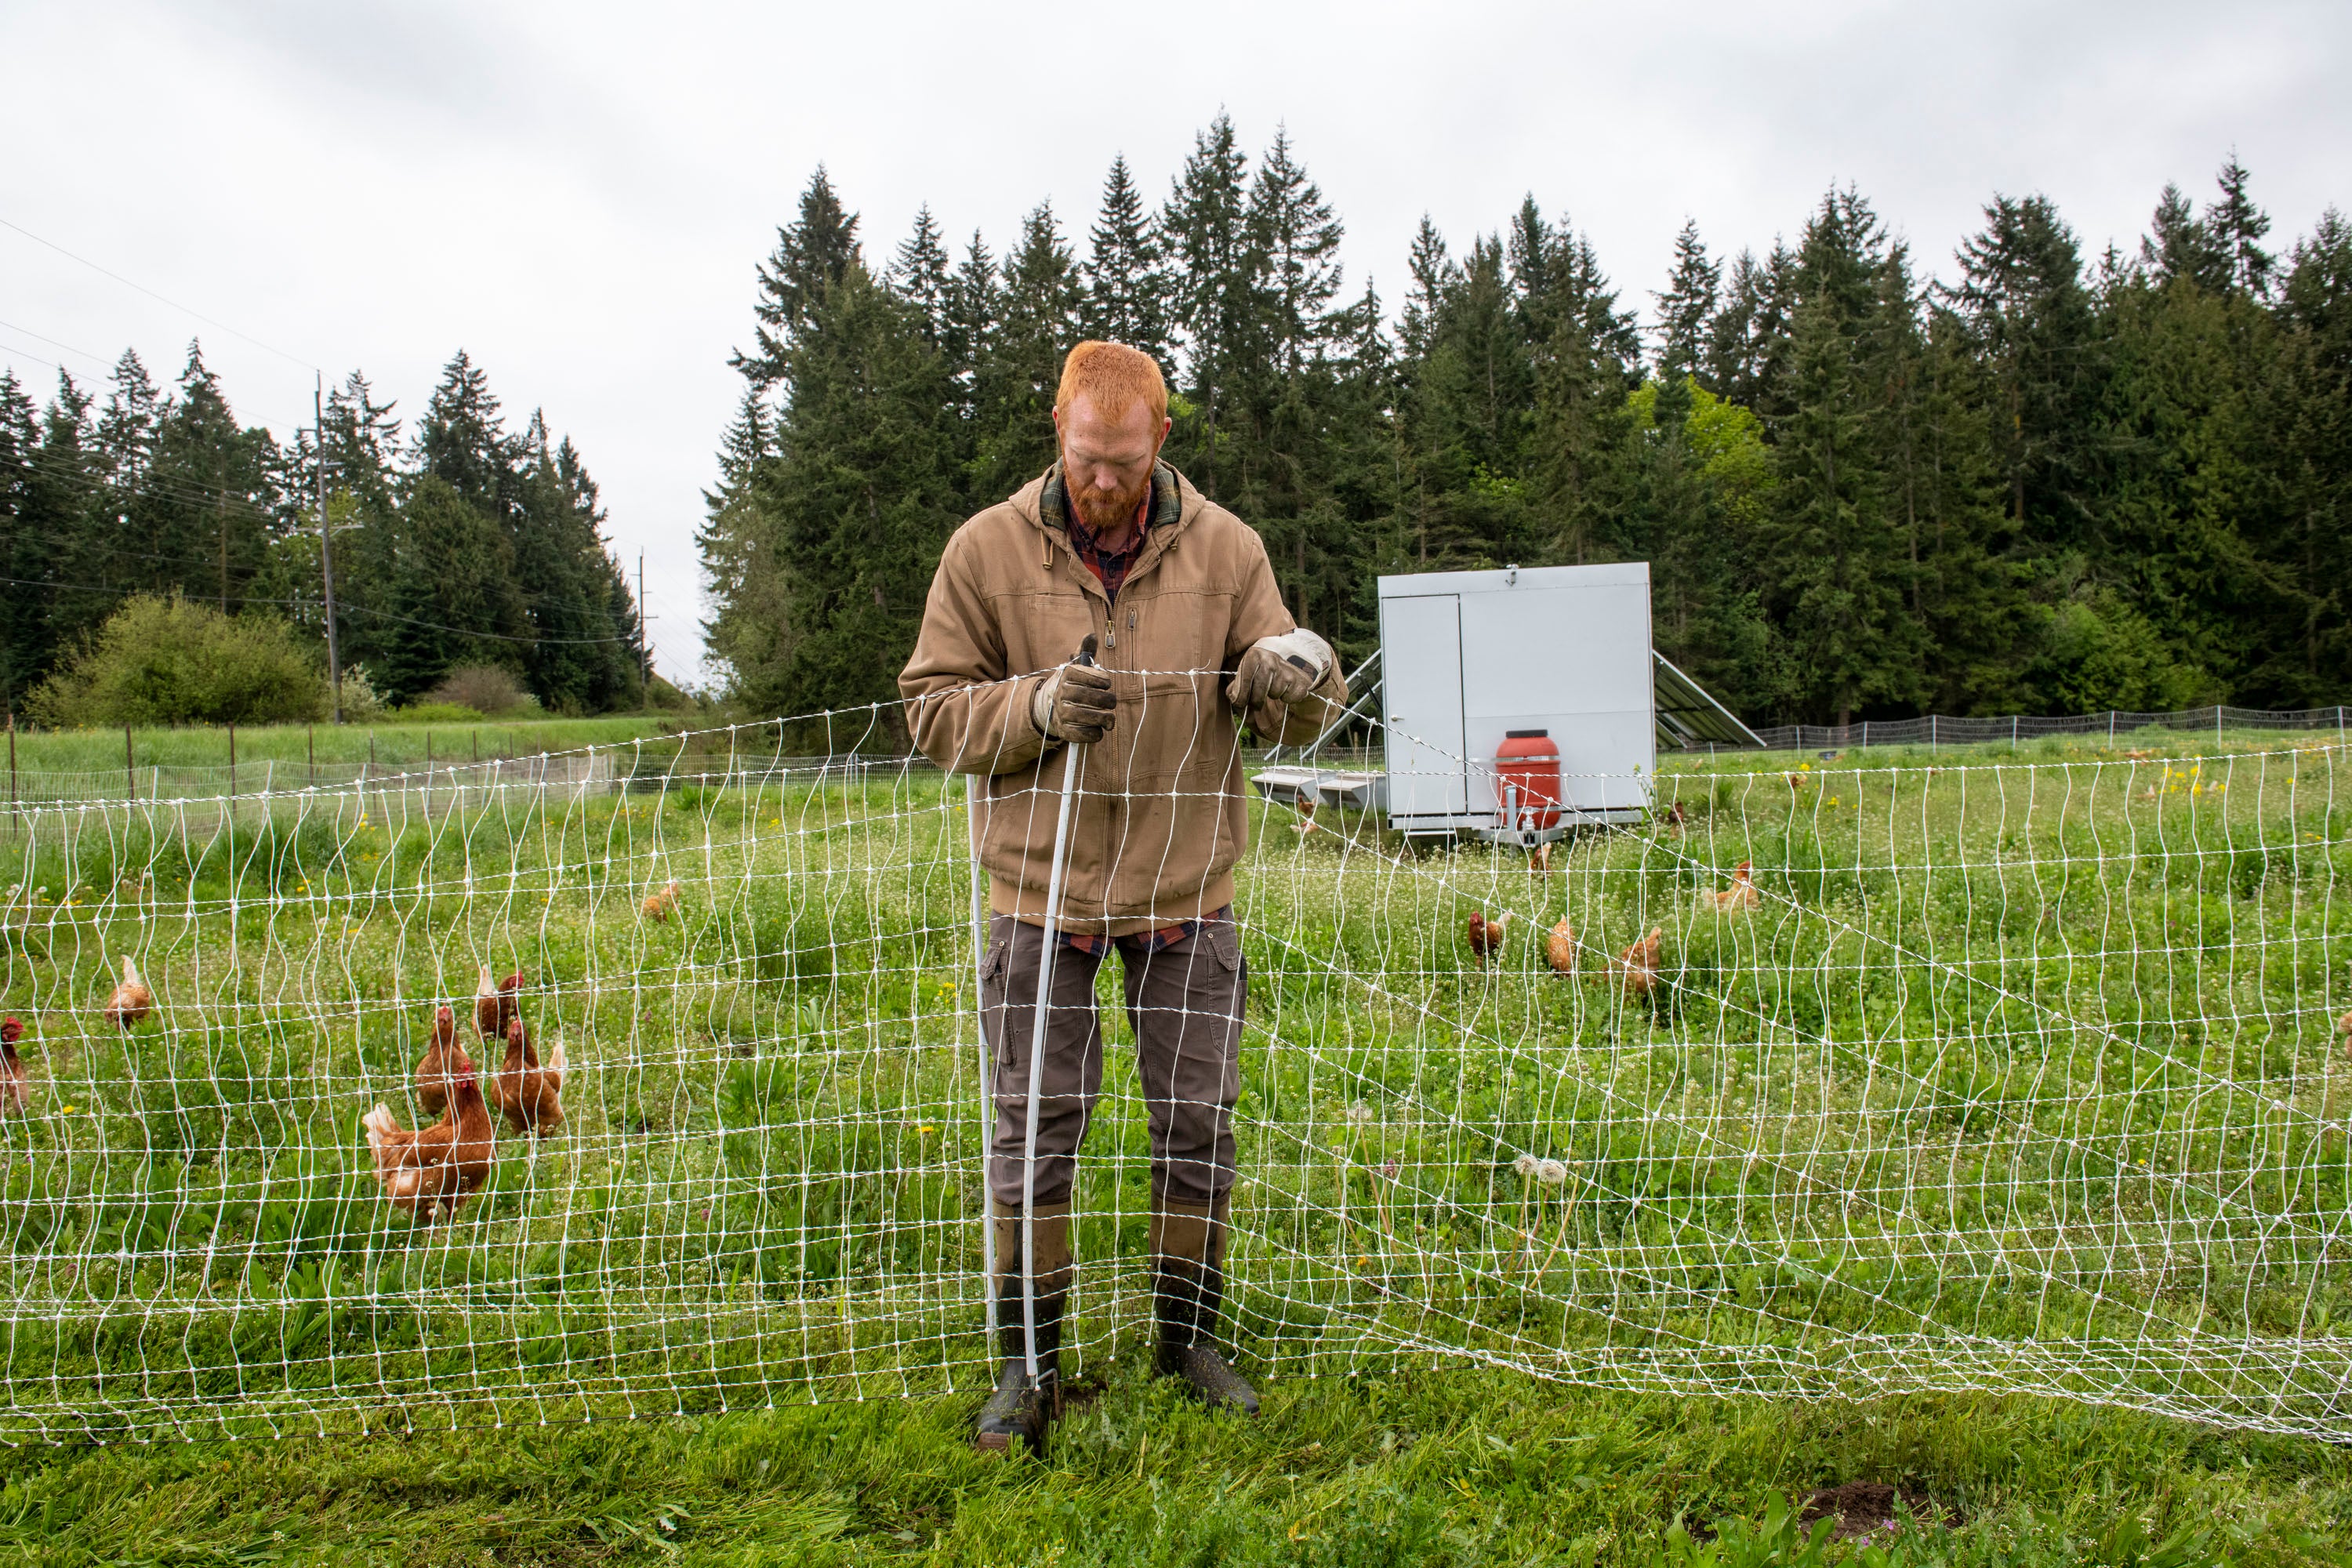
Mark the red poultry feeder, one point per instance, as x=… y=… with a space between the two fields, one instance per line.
x=1527 y=778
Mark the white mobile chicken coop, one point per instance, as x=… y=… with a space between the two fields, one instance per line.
x=1484 y=675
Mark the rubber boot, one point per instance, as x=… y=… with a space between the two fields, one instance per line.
x=1187 y=1246
x=1024 y=1409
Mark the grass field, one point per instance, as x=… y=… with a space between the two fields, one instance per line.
x=2018 y=1079
x=196 y=759
x=1460 y=1466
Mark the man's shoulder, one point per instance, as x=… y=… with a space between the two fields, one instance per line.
x=992 y=531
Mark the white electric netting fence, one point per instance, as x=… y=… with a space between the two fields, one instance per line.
x=2020 y=1075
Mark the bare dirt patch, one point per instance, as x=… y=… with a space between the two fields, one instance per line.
x=1872 y=1510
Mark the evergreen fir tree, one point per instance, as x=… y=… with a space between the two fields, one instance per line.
x=748 y=578
x=2304 y=423
x=1434 y=273
x=1835 y=574
x=1686 y=307
x=920 y=274
x=970 y=336
x=862 y=494
x=1470 y=408
x=25 y=552
x=1293 y=228
x=2179 y=246
x=1282 y=440
x=2167 y=553
x=61 y=483
x=1216 y=308
x=2237 y=226
x=1037 y=326
x=105 y=554
x=811 y=255
x=462 y=439
x=2020 y=294
x=1127 y=289
x=454 y=598
x=1747 y=340
x=200 y=517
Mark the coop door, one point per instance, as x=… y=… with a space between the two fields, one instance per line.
x=1421 y=640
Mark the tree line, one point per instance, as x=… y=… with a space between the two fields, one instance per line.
x=465 y=544
x=2041 y=481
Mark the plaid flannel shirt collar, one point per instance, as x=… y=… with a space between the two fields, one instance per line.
x=1110 y=567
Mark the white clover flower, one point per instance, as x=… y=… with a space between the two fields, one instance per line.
x=1524 y=1165
x=1550 y=1173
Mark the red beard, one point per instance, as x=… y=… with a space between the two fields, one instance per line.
x=1107 y=514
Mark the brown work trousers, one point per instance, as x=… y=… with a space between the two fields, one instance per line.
x=1185 y=1003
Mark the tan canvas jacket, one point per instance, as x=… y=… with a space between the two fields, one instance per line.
x=1160 y=817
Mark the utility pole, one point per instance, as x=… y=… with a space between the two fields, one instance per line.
x=327 y=553
x=644 y=650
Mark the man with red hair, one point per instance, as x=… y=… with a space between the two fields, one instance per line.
x=1177 y=592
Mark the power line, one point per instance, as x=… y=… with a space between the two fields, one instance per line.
x=36 y=358
x=151 y=293
x=57 y=342
x=109 y=367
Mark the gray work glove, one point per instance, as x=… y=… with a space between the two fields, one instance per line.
x=1074 y=703
x=1281 y=669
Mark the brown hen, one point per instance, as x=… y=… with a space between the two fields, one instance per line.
x=131 y=1001
x=1637 y=967
x=494 y=1004
x=527 y=1093
x=1560 y=947
x=1740 y=895
x=434 y=1170
x=1486 y=935
x=14 y=1094
x=438 y=1068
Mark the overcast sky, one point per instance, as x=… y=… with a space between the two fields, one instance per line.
x=577 y=195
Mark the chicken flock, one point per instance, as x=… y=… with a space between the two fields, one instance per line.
x=1635 y=969
x=427 y=1173
x=431 y=1172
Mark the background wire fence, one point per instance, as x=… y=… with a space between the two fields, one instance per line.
x=1941 y=730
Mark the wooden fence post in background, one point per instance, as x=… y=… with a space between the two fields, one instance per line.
x=129 y=766
x=310 y=737
x=232 y=758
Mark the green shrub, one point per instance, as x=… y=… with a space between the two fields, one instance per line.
x=487 y=690
x=175 y=661
x=361 y=700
